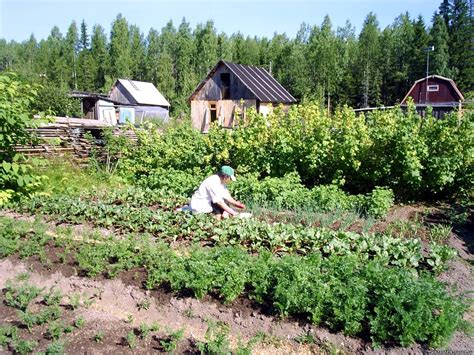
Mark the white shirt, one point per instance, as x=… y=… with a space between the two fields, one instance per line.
x=211 y=190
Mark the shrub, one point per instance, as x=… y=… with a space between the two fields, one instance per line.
x=416 y=157
x=16 y=174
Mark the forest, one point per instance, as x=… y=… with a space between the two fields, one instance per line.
x=334 y=66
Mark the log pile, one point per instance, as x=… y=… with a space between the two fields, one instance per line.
x=68 y=136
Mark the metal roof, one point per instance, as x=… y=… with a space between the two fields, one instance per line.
x=144 y=93
x=256 y=79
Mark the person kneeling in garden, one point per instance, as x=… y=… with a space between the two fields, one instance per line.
x=212 y=195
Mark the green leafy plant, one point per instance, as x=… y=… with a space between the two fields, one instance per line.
x=131 y=340
x=20 y=296
x=80 y=322
x=22 y=346
x=439 y=233
x=170 y=343
x=56 y=347
x=217 y=341
x=144 y=304
x=98 y=336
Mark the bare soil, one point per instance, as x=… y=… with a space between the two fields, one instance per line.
x=114 y=308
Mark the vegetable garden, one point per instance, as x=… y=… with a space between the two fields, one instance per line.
x=321 y=249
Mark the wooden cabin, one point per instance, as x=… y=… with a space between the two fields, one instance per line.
x=229 y=90
x=436 y=91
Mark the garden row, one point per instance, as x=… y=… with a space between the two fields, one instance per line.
x=282 y=193
x=50 y=316
x=342 y=292
x=253 y=235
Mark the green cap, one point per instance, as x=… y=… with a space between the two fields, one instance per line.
x=228 y=171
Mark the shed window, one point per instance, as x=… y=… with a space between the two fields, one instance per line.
x=213 y=111
x=433 y=87
x=225 y=86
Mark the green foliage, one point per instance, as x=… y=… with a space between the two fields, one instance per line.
x=411 y=310
x=170 y=343
x=179 y=182
x=20 y=295
x=15 y=102
x=428 y=157
x=377 y=203
x=56 y=101
x=8 y=333
x=55 y=348
x=217 y=341
x=55 y=330
x=439 y=233
x=22 y=346
x=346 y=285
x=131 y=340
x=16 y=174
x=98 y=336
x=80 y=322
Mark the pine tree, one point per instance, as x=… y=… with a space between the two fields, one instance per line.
x=100 y=57
x=439 y=59
x=152 y=55
x=184 y=57
x=206 y=48
x=70 y=52
x=421 y=41
x=323 y=59
x=461 y=38
x=137 y=53
x=84 y=38
x=86 y=69
x=224 y=47
x=120 y=52
x=368 y=62
x=56 y=65
x=347 y=52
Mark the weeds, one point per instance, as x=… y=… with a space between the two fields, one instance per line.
x=99 y=336
x=131 y=340
x=170 y=343
x=80 y=322
x=21 y=346
x=20 y=296
x=440 y=233
x=75 y=301
x=144 y=304
x=55 y=348
x=217 y=341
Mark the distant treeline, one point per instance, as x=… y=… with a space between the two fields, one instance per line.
x=321 y=63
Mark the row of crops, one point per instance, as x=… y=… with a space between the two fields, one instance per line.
x=374 y=286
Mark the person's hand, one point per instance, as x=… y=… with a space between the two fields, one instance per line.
x=240 y=205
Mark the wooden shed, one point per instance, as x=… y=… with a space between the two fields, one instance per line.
x=143 y=97
x=230 y=89
x=436 y=91
x=99 y=107
x=140 y=100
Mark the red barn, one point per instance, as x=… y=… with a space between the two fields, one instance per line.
x=436 y=91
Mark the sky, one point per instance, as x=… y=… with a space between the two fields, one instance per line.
x=21 y=18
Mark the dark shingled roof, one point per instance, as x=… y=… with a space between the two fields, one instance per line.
x=256 y=79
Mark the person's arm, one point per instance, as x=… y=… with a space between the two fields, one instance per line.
x=235 y=202
x=226 y=208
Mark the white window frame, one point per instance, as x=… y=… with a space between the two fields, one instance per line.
x=433 y=88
